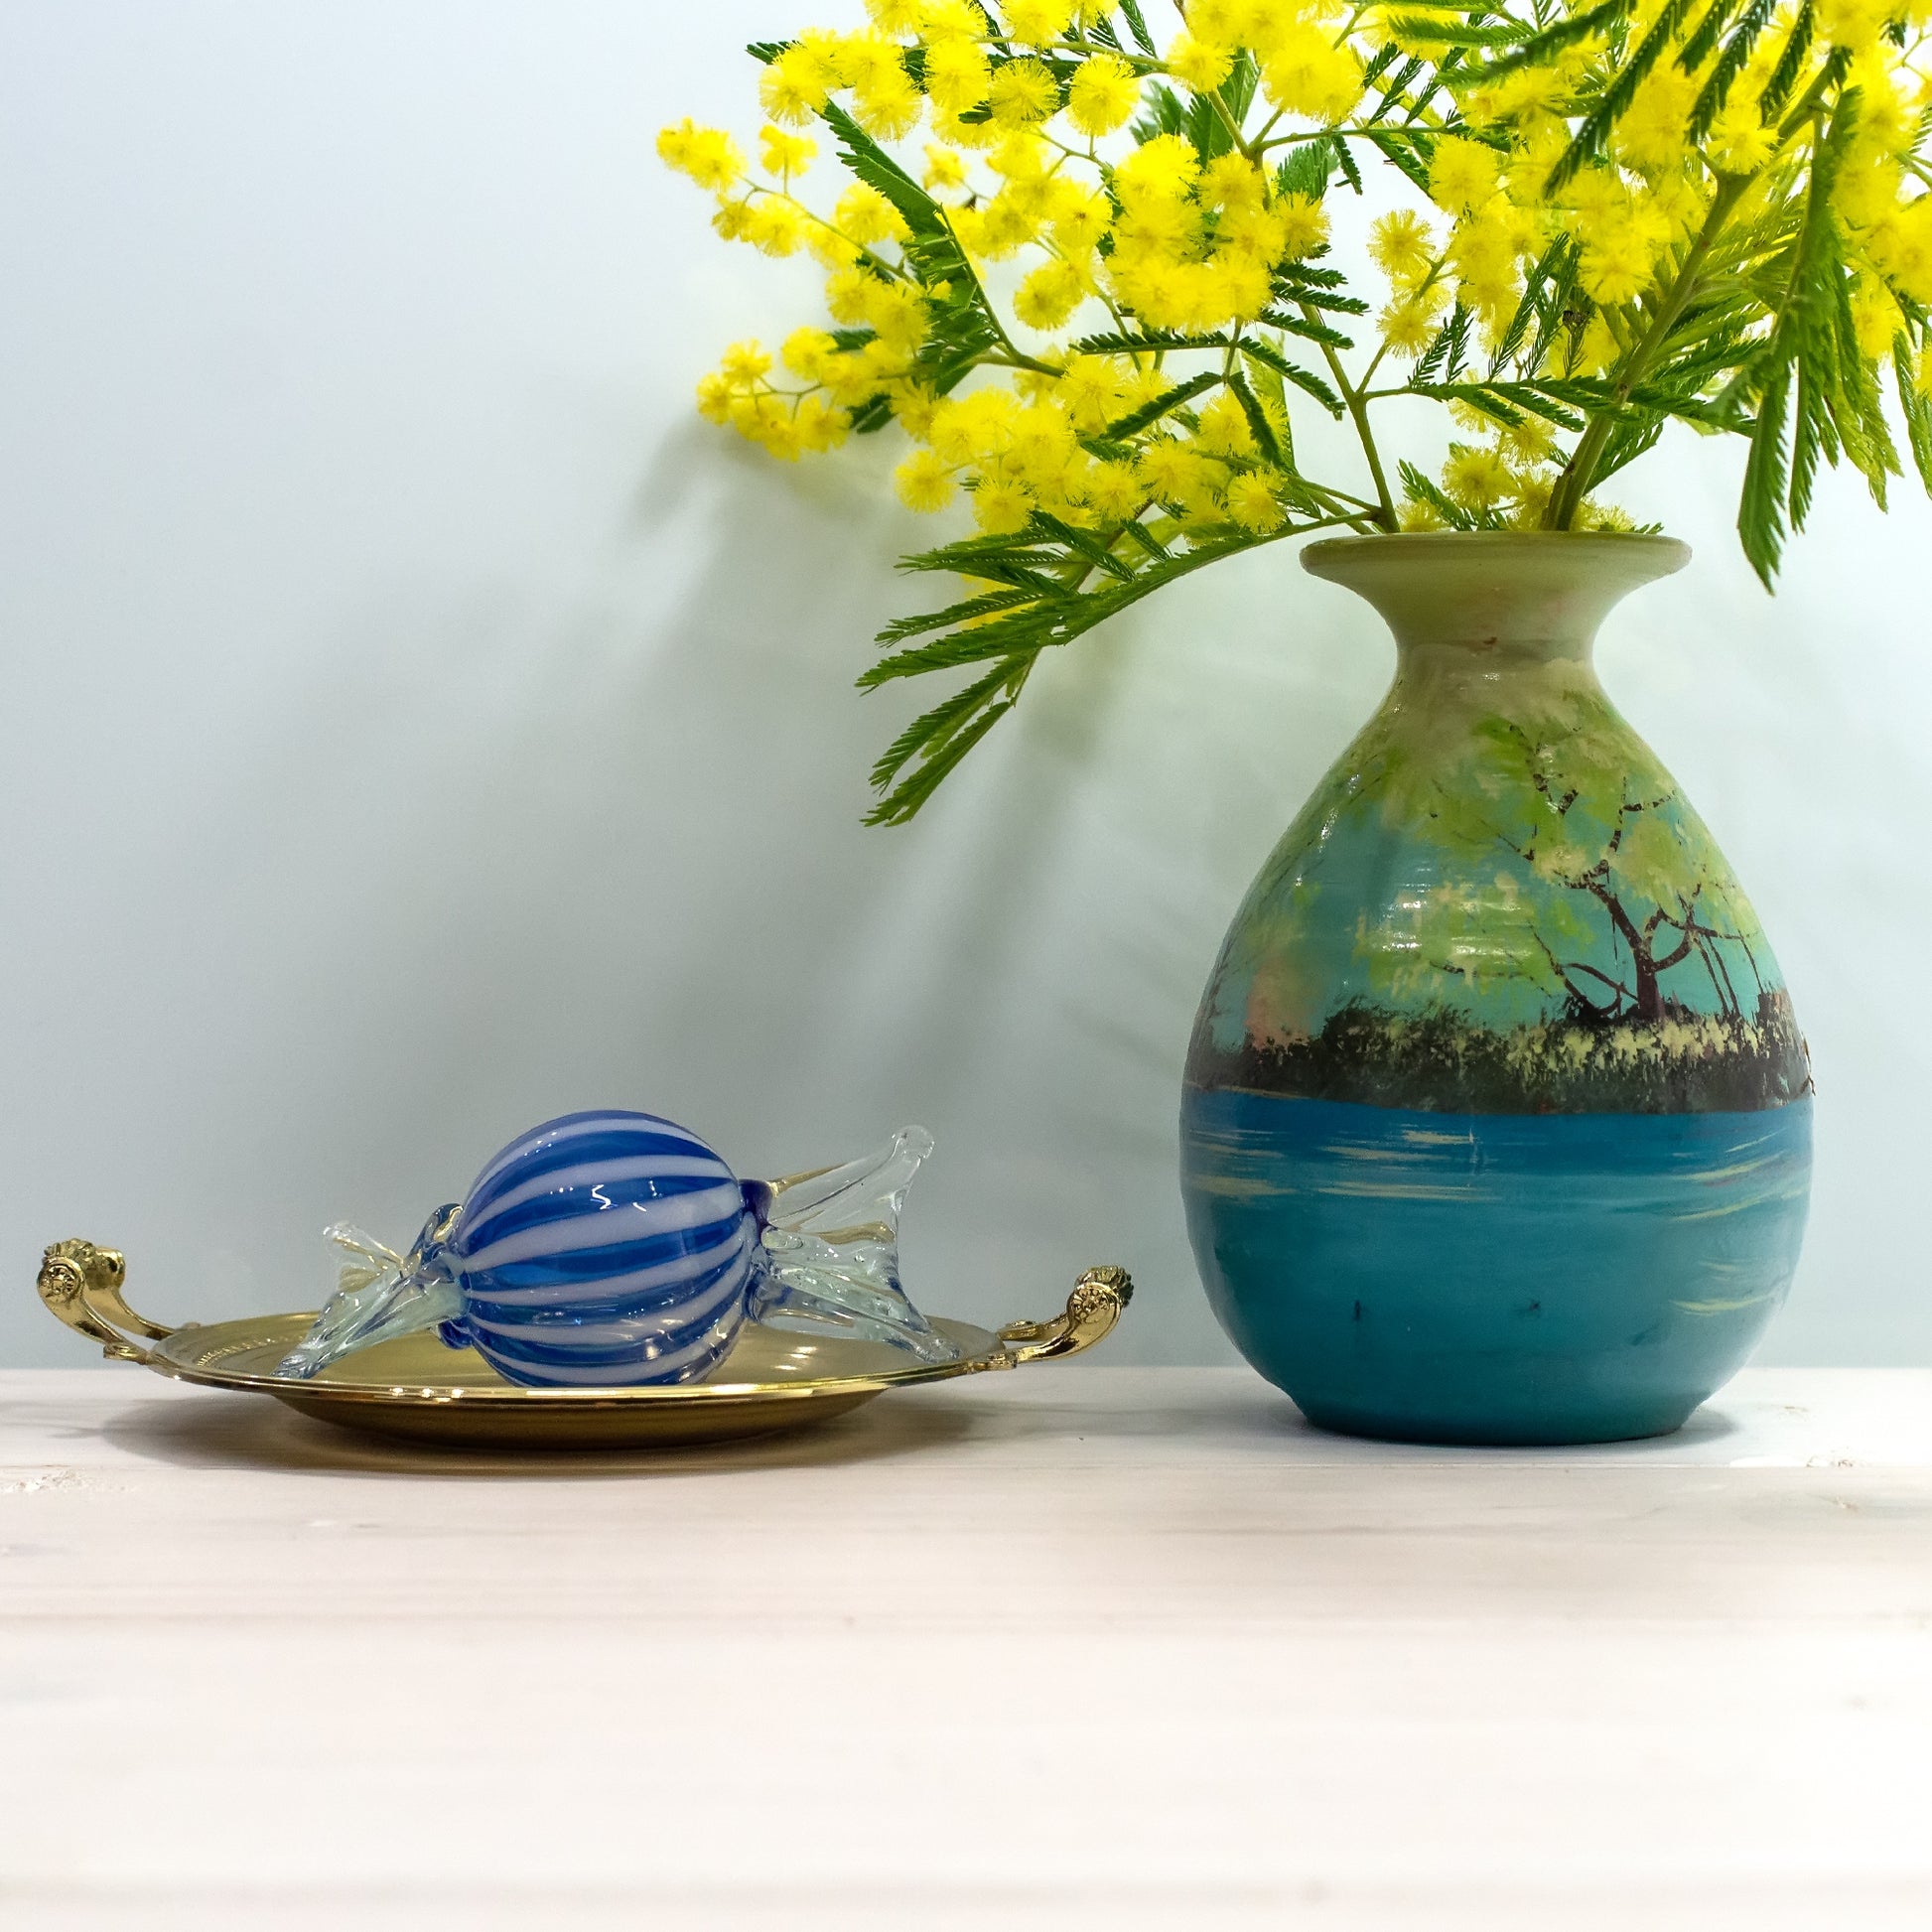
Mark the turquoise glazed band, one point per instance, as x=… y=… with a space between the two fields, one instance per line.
x=1499 y=1277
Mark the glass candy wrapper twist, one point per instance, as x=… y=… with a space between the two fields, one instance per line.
x=616 y=1249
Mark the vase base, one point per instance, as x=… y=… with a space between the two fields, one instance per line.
x=1476 y=1431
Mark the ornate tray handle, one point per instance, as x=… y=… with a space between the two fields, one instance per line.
x=81 y=1284
x=1092 y=1309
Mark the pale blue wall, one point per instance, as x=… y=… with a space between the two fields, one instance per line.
x=418 y=723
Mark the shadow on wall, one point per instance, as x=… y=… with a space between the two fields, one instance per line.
x=1020 y=967
x=893 y=950
x=592 y=836
x=815 y=982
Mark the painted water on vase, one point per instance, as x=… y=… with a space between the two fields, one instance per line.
x=1497 y=1121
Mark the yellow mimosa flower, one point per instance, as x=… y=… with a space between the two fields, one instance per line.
x=958 y=74
x=1103 y=94
x=865 y=215
x=1401 y=245
x=796 y=86
x=785 y=154
x=1022 y=93
x=925 y=482
x=1000 y=507
x=1201 y=65
x=1050 y=294
x=1038 y=23
x=946 y=168
x=707 y=154
x=1252 y=502
x=1463 y=175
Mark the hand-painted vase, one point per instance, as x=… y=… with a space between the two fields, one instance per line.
x=1497 y=1121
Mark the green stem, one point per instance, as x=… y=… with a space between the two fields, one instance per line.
x=1809 y=102
x=1357 y=406
x=1227 y=120
x=1351 y=133
x=1567 y=500
x=1336 y=522
x=1358 y=412
x=1421 y=289
x=1363 y=513
x=1016 y=360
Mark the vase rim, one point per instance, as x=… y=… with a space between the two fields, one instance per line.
x=1544 y=590
x=1666 y=554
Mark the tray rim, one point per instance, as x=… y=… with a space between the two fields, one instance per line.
x=83 y=1284
x=989 y=1354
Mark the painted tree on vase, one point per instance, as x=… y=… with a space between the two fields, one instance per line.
x=1557 y=931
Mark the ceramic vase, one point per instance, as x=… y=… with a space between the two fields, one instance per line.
x=1497 y=1118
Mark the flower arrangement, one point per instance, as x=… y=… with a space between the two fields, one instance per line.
x=1081 y=259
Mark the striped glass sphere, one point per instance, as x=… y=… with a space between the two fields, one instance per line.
x=605 y=1248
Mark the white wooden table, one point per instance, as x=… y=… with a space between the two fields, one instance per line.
x=1072 y=1647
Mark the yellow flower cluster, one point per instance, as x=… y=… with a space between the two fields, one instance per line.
x=1195 y=248
x=871 y=66
x=1502 y=473
x=1633 y=212
x=1025 y=453
x=880 y=305
x=1076 y=267
x=1147 y=235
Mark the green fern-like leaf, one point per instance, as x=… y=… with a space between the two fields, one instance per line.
x=962 y=328
x=1702 y=37
x=1738 y=48
x=1259 y=427
x=1760 y=506
x=1165 y=404
x=1408 y=153
x=932 y=728
x=1784 y=76
x=1304 y=379
x=1548 y=273
x=1542 y=43
x=1306 y=168
x=1799 y=379
x=1006 y=636
x=1915 y=407
x=1308 y=327
x=1468 y=32
x=1505 y=402
x=1417 y=489
x=1613 y=103
x=903 y=800
x=968 y=611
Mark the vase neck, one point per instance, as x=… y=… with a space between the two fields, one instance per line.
x=1479 y=602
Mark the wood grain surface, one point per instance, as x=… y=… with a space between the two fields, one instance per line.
x=1068 y=1648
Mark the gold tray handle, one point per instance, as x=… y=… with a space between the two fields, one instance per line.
x=81 y=1284
x=1092 y=1309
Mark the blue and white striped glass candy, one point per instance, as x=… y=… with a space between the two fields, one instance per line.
x=616 y=1249
x=603 y=1248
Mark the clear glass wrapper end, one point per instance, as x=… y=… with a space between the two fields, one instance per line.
x=378 y=1295
x=830 y=1251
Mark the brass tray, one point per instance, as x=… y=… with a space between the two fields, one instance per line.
x=417 y=1389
